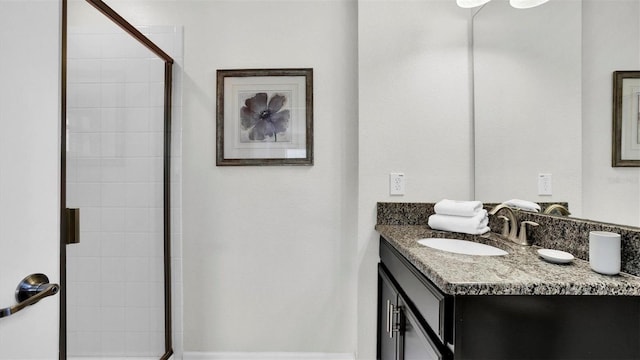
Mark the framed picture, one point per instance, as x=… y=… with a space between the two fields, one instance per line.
x=626 y=118
x=264 y=117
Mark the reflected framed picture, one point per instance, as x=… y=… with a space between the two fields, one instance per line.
x=264 y=117
x=626 y=119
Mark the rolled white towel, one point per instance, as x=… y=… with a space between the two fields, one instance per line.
x=474 y=225
x=523 y=205
x=457 y=208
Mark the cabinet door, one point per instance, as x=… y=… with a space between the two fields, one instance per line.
x=387 y=318
x=415 y=343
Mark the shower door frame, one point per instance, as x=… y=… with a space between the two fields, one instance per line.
x=65 y=231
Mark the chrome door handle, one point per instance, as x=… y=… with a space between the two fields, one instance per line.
x=392 y=326
x=30 y=290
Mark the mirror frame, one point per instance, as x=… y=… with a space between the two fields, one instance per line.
x=619 y=78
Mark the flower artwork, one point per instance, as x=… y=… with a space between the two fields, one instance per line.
x=264 y=119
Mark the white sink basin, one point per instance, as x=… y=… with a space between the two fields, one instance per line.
x=462 y=247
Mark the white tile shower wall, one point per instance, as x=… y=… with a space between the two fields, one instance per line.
x=114 y=175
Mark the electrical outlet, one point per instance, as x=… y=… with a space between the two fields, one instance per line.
x=396 y=184
x=544 y=184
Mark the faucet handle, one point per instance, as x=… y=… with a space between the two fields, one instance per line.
x=505 y=225
x=523 y=231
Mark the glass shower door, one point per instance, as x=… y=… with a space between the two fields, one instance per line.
x=115 y=159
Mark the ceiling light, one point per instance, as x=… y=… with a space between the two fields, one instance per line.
x=471 y=3
x=525 y=4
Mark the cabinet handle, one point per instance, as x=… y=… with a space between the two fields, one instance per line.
x=389 y=306
x=392 y=326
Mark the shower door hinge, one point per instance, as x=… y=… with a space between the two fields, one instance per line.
x=73 y=226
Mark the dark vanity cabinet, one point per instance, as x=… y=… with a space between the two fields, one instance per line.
x=406 y=328
x=388 y=312
x=416 y=320
x=401 y=335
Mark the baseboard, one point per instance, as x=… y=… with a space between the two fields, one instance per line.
x=264 y=356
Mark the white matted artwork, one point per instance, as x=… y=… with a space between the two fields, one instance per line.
x=264 y=117
x=626 y=119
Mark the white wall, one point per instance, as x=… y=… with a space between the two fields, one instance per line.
x=268 y=251
x=609 y=42
x=29 y=171
x=414 y=118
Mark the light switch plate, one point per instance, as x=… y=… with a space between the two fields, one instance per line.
x=396 y=183
x=544 y=184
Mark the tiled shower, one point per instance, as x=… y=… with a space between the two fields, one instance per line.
x=115 y=128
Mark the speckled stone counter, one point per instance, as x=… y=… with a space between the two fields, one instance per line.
x=521 y=272
x=555 y=232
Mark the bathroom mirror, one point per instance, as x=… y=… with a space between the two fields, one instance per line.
x=542 y=104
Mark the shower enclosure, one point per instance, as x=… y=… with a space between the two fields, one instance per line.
x=115 y=251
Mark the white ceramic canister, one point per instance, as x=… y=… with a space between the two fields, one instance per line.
x=604 y=252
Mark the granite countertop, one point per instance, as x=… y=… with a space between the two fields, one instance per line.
x=521 y=272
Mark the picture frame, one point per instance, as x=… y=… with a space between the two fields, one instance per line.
x=626 y=119
x=264 y=117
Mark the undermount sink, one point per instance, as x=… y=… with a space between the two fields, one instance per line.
x=462 y=247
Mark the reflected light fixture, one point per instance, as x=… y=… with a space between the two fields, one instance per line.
x=471 y=3
x=526 y=4
x=518 y=4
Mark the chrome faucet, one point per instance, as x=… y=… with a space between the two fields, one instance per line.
x=511 y=223
x=512 y=220
x=557 y=209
